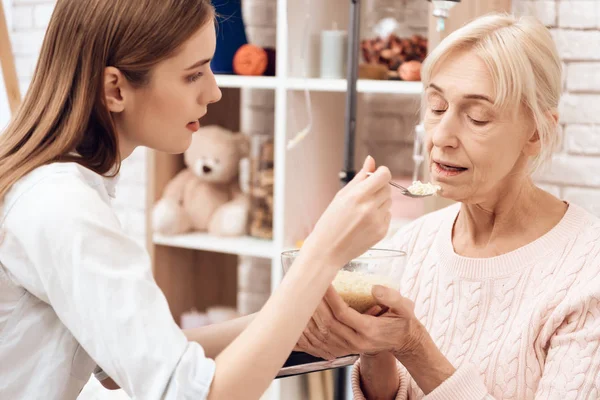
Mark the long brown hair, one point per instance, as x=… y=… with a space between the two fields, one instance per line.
x=63 y=116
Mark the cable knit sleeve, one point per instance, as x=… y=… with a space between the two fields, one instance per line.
x=572 y=368
x=465 y=384
x=402 y=390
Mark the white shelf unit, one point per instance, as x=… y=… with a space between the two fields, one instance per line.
x=198 y=270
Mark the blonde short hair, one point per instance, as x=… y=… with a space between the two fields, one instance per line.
x=524 y=63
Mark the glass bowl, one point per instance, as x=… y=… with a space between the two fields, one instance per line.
x=355 y=280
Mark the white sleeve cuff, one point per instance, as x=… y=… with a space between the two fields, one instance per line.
x=359 y=395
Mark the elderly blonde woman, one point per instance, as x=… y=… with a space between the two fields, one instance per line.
x=500 y=298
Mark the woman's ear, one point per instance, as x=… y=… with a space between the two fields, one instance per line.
x=114 y=95
x=533 y=146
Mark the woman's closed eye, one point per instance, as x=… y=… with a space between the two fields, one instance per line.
x=478 y=116
x=438 y=107
x=477 y=122
x=194 y=77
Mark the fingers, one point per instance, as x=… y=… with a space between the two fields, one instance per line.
x=376 y=181
x=314 y=346
x=368 y=166
x=387 y=205
x=314 y=329
x=388 y=297
x=324 y=342
x=383 y=196
x=323 y=319
x=346 y=315
x=335 y=301
x=374 y=311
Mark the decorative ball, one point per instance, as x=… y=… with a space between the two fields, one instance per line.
x=410 y=71
x=250 y=60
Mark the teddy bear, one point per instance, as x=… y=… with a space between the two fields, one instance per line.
x=206 y=196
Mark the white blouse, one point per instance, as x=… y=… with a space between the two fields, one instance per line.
x=76 y=292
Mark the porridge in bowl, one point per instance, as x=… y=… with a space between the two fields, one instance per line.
x=355 y=280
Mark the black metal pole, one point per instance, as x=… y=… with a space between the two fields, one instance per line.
x=348 y=172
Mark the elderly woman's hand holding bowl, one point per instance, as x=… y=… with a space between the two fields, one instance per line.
x=500 y=293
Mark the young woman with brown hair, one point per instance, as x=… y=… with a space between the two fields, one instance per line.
x=75 y=291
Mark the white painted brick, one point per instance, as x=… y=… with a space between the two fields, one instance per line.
x=262 y=36
x=580 y=14
x=257 y=121
x=584 y=76
x=397 y=128
x=392 y=104
x=572 y=170
x=544 y=10
x=564 y=76
x=27 y=43
x=397 y=157
x=589 y=199
x=258 y=98
x=577 y=45
x=22 y=17
x=248 y=303
x=552 y=189
x=254 y=275
x=580 y=109
x=42 y=14
x=417 y=14
x=260 y=13
x=583 y=139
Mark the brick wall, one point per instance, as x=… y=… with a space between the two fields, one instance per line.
x=575 y=25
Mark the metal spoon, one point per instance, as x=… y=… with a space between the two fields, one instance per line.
x=404 y=190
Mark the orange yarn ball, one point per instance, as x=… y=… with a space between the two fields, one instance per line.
x=250 y=60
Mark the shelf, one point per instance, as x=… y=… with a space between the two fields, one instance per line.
x=319 y=85
x=252 y=82
x=362 y=85
x=244 y=246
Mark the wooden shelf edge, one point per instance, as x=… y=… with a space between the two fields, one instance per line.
x=244 y=246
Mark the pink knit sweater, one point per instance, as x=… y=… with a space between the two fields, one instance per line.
x=523 y=325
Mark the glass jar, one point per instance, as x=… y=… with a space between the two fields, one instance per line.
x=388 y=42
x=262 y=180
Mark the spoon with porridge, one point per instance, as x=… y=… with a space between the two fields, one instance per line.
x=417 y=189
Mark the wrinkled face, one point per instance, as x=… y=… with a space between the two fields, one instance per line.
x=164 y=114
x=476 y=151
